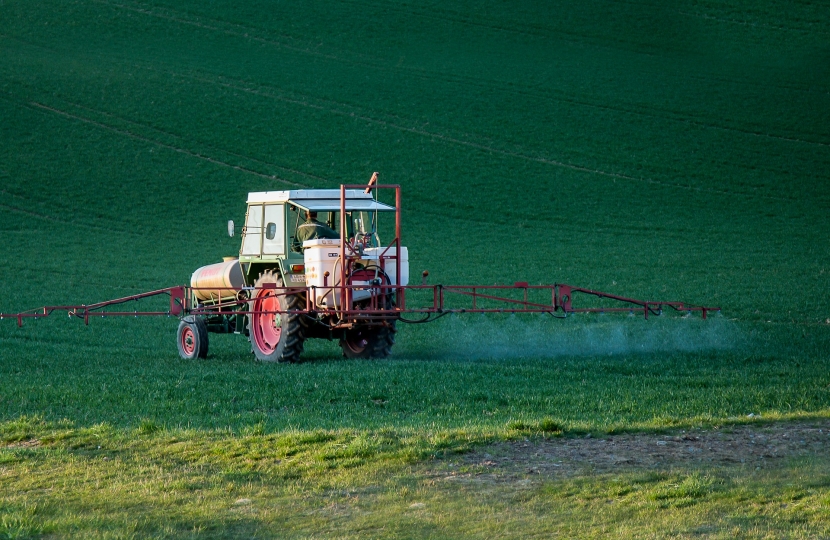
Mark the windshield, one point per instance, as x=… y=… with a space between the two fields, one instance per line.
x=365 y=228
x=361 y=224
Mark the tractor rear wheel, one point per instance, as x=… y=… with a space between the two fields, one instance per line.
x=371 y=341
x=368 y=341
x=192 y=338
x=275 y=337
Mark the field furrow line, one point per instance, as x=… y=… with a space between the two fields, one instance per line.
x=197 y=24
x=184 y=140
x=53 y=218
x=755 y=24
x=506 y=87
x=161 y=144
x=665 y=7
x=766 y=84
x=397 y=126
x=535 y=29
x=174 y=135
x=666 y=115
x=442 y=14
x=371 y=61
x=74 y=223
x=392 y=125
x=595 y=226
x=651 y=113
x=35 y=214
x=483 y=147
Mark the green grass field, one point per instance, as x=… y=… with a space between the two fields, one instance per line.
x=652 y=150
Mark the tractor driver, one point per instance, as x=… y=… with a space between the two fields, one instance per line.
x=313 y=229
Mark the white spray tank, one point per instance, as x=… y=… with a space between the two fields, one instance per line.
x=322 y=269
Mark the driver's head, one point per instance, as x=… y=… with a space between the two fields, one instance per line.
x=311 y=215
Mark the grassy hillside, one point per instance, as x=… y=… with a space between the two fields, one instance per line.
x=650 y=150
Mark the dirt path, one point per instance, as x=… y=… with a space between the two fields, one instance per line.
x=755 y=445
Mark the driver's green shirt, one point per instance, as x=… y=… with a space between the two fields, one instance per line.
x=313 y=229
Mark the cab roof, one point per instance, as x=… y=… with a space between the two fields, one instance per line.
x=321 y=200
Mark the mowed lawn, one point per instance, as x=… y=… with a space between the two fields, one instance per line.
x=655 y=151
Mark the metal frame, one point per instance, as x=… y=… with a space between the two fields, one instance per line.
x=347 y=260
x=561 y=301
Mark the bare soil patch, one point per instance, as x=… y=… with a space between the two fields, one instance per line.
x=30 y=443
x=757 y=445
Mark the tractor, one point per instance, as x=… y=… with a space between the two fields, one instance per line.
x=282 y=290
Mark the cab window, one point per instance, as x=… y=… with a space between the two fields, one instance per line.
x=252 y=232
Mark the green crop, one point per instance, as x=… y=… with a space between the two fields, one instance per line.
x=648 y=150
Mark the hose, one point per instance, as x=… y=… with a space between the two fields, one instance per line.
x=427 y=319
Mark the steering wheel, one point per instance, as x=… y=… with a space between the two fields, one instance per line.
x=363 y=238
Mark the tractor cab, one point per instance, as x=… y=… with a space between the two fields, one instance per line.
x=270 y=234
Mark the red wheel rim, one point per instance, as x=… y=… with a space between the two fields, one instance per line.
x=267 y=326
x=188 y=341
x=356 y=341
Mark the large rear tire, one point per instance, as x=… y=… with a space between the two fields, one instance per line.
x=369 y=341
x=275 y=337
x=192 y=338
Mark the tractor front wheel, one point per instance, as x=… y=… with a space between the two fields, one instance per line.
x=192 y=338
x=275 y=337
